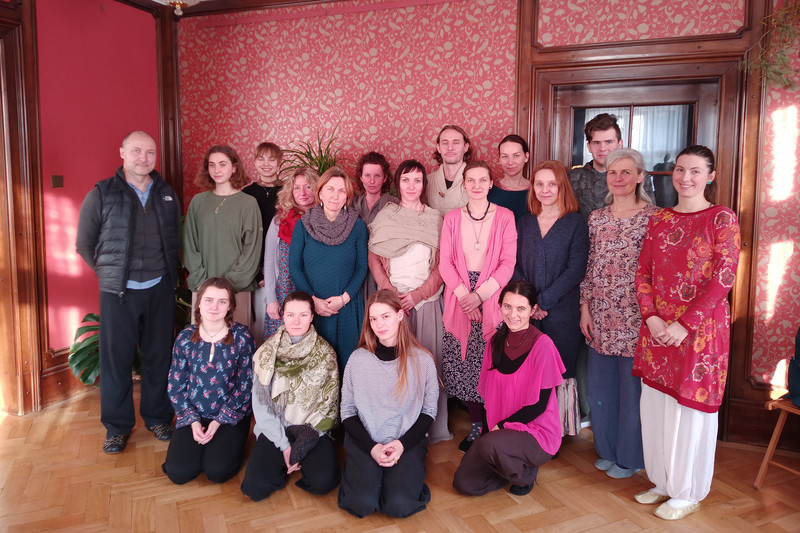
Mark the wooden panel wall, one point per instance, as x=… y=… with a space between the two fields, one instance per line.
x=541 y=70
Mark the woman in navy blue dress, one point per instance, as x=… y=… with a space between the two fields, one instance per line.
x=552 y=252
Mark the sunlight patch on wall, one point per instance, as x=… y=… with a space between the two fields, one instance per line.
x=779 y=255
x=783 y=153
x=62 y=232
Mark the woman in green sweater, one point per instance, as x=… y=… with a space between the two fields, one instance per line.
x=222 y=234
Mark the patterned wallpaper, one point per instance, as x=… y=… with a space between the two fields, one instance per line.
x=605 y=21
x=777 y=314
x=390 y=77
x=387 y=78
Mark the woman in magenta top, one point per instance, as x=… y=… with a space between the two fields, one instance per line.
x=477 y=256
x=686 y=270
x=520 y=369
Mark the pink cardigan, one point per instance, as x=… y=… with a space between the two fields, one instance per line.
x=501 y=256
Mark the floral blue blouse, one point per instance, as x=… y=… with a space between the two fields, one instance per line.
x=218 y=388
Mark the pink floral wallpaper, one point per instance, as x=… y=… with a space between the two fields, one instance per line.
x=605 y=21
x=386 y=78
x=777 y=314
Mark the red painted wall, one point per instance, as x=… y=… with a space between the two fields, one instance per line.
x=97 y=81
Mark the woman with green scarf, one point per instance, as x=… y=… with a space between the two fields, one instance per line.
x=295 y=404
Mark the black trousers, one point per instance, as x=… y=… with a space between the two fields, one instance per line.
x=144 y=318
x=398 y=491
x=220 y=458
x=497 y=458
x=266 y=470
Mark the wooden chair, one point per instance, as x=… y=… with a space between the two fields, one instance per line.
x=786 y=406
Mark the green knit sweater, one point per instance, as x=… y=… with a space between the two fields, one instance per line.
x=222 y=237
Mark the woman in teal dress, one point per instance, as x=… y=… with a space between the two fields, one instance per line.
x=328 y=259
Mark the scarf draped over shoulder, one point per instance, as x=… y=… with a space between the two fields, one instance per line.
x=397 y=228
x=299 y=380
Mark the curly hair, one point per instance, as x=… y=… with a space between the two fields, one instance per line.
x=286 y=199
x=238 y=178
x=374 y=158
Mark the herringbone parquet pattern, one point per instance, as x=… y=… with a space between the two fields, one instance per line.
x=53 y=476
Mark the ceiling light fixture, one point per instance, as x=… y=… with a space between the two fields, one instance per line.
x=179 y=4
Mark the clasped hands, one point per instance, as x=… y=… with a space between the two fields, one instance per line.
x=666 y=334
x=387 y=455
x=203 y=435
x=470 y=304
x=289 y=466
x=330 y=306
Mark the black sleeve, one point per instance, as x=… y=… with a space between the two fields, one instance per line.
x=416 y=431
x=89 y=224
x=529 y=412
x=359 y=433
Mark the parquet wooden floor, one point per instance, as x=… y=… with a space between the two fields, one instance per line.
x=53 y=476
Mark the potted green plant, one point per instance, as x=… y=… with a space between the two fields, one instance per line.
x=319 y=155
x=84 y=354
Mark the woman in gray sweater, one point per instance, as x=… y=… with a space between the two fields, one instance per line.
x=389 y=396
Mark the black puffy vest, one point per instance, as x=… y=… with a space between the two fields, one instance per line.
x=112 y=258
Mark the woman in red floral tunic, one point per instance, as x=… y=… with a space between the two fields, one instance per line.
x=686 y=269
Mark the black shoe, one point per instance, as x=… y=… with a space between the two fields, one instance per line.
x=520 y=490
x=465 y=444
x=162 y=431
x=116 y=443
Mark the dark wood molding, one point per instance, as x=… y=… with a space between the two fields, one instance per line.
x=169 y=99
x=639 y=50
x=20 y=380
x=540 y=73
x=216 y=7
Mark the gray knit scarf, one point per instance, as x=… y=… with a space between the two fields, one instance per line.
x=323 y=230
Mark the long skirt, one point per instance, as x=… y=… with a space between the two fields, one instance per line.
x=426 y=323
x=283 y=287
x=460 y=377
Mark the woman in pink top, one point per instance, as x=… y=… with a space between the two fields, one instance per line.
x=477 y=255
x=520 y=369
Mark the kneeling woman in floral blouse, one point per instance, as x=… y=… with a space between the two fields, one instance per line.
x=209 y=386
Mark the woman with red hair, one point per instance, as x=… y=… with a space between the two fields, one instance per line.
x=552 y=252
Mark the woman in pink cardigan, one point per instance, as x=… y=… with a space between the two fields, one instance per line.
x=477 y=255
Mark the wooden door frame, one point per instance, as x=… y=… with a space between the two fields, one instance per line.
x=540 y=70
x=35 y=374
x=56 y=381
x=19 y=378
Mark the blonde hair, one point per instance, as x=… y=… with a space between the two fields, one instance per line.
x=286 y=201
x=406 y=341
